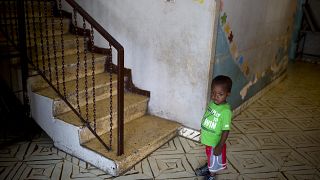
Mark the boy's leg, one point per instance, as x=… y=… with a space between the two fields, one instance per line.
x=217 y=163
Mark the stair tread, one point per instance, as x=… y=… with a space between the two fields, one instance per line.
x=102 y=108
x=142 y=136
x=66 y=37
x=101 y=79
x=72 y=59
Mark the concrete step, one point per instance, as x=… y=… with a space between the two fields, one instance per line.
x=70 y=61
x=102 y=90
x=135 y=106
x=37 y=12
x=142 y=136
x=35 y=29
x=69 y=42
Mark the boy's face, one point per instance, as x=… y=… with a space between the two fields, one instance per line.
x=219 y=94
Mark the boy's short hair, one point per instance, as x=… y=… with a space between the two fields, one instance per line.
x=225 y=81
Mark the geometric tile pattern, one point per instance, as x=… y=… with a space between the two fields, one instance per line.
x=250 y=162
x=297 y=139
x=251 y=126
x=267 y=141
x=276 y=137
x=279 y=125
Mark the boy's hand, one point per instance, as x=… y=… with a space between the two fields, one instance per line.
x=217 y=150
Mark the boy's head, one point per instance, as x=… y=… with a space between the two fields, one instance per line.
x=220 y=89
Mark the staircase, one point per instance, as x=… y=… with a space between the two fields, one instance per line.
x=87 y=80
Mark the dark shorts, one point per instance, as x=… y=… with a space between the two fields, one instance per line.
x=216 y=163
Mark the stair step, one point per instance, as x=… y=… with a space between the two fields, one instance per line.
x=37 y=34
x=102 y=90
x=134 y=106
x=70 y=62
x=142 y=136
x=69 y=41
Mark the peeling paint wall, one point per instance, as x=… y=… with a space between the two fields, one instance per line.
x=252 y=44
x=168 y=46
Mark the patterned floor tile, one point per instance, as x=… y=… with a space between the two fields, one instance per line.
x=239 y=142
x=292 y=112
x=14 y=152
x=170 y=166
x=227 y=176
x=314 y=135
x=250 y=162
x=197 y=160
x=286 y=159
x=279 y=125
x=300 y=102
x=234 y=129
x=267 y=141
x=8 y=169
x=191 y=147
x=312 y=154
x=41 y=151
x=314 y=111
x=259 y=103
x=171 y=147
x=244 y=115
x=311 y=174
x=306 y=124
x=264 y=113
x=251 y=126
x=276 y=102
x=297 y=139
x=266 y=176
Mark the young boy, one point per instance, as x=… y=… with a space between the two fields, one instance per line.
x=215 y=126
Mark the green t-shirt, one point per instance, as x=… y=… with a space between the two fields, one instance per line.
x=216 y=119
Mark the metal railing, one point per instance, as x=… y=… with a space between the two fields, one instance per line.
x=36 y=29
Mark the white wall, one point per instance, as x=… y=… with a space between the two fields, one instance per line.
x=168 y=47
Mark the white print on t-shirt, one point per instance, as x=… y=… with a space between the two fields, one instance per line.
x=212 y=124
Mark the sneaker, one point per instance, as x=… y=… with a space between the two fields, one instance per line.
x=202 y=171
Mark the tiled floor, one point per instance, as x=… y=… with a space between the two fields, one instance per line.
x=277 y=137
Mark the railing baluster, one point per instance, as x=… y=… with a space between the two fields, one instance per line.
x=62 y=51
x=78 y=59
x=93 y=80
x=28 y=31
x=10 y=23
x=34 y=37
x=15 y=12
x=109 y=60
x=41 y=38
x=47 y=38
x=85 y=69
x=54 y=45
x=5 y=23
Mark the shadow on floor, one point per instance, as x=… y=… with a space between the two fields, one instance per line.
x=15 y=124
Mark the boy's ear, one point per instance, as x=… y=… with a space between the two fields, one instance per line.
x=228 y=94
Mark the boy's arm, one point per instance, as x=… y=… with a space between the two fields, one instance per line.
x=218 y=148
